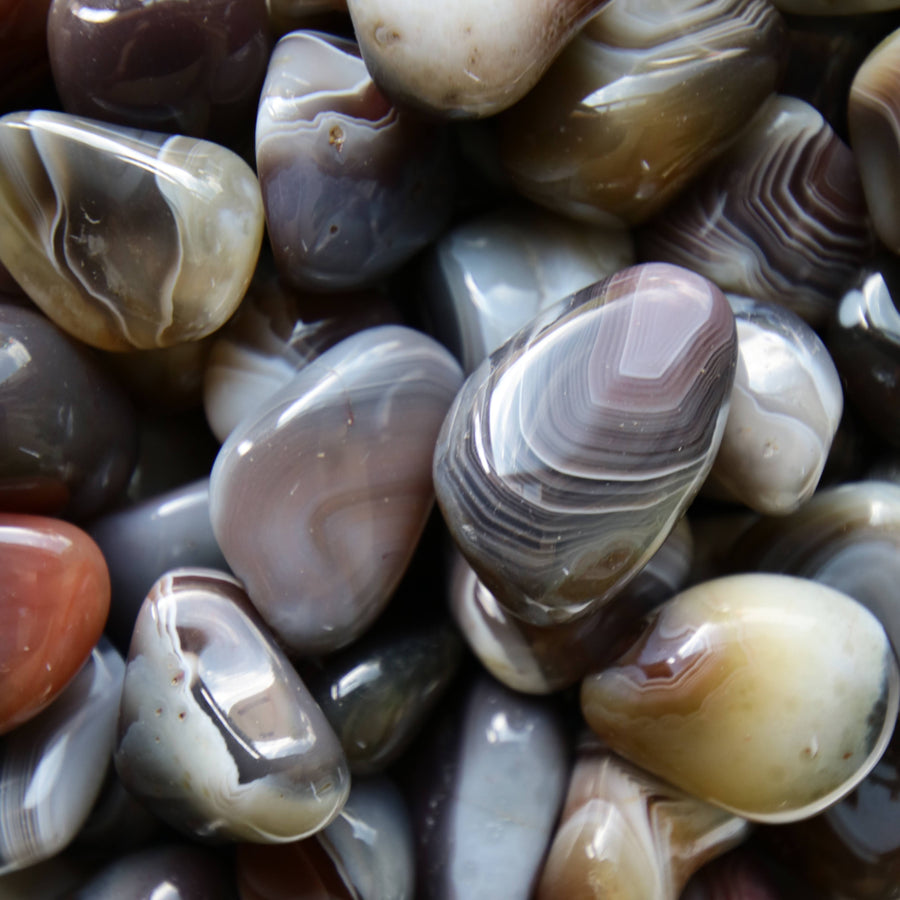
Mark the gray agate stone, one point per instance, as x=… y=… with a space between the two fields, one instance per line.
x=492 y=275
x=318 y=501
x=488 y=796
x=571 y=453
x=352 y=187
x=217 y=733
x=785 y=408
x=53 y=767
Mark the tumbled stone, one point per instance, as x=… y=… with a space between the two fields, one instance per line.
x=217 y=733
x=589 y=431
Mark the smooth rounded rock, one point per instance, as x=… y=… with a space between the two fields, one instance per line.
x=318 y=501
x=570 y=454
x=767 y=695
x=126 y=239
x=217 y=733
x=54 y=599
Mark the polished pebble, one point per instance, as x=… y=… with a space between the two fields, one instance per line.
x=779 y=217
x=217 y=733
x=639 y=103
x=318 y=501
x=54 y=599
x=126 y=239
x=767 y=695
x=52 y=768
x=352 y=186
x=68 y=435
x=183 y=68
x=625 y=834
x=739 y=875
x=490 y=276
x=785 y=408
x=591 y=430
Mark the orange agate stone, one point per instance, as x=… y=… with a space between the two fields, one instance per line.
x=54 y=600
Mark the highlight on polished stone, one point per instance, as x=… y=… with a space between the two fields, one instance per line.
x=786 y=405
x=318 y=501
x=623 y=833
x=126 y=239
x=639 y=103
x=780 y=217
x=463 y=59
x=54 y=599
x=352 y=186
x=590 y=430
x=767 y=695
x=217 y=733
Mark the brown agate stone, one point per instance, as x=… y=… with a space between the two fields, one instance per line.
x=54 y=598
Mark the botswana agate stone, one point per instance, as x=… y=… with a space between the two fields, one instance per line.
x=639 y=103
x=126 y=239
x=463 y=59
x=785 y=408
x=487 y=278
x=217 y=733
x=68 y=435
x=183 y=68
x=540 y=660
x=625 y=834
x=779 y=217
x=318 y=501
x=864 y=339
x=574 y=449
x=54 y=599
x=767 y=695
x=52 y=768
x=352 y=187
x=273 y=335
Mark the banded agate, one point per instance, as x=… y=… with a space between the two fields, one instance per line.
x=767 y=695
x=779 y=217
x=319 y=499
x=625 y=834
x=463 y=59
x=352 y=186
x=573 y=450
x=785 y=408
x=126 y=239
x=639 y=103
x=217 y=733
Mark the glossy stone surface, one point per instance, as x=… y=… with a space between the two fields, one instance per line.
x=181 y=68
x=463 y=59
x=738 y=875
x=172 y=871
x=540 y=660
x=864 y=339
x=54 y=599
x=767 y=695
x=591 y=429
x=779 y=217
x=52 y=768
x=378 y=693
x=318 y=501
x=625 y=834
x=274 y=334
x=126 y=239
x=352 y=187
x=785 y=408
x=68 y=435
x=367 y=853
x=144 y=541
x=847 y=537
x=488 y=796
x=639 y=103
x=217 y=733
x=491 y=275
